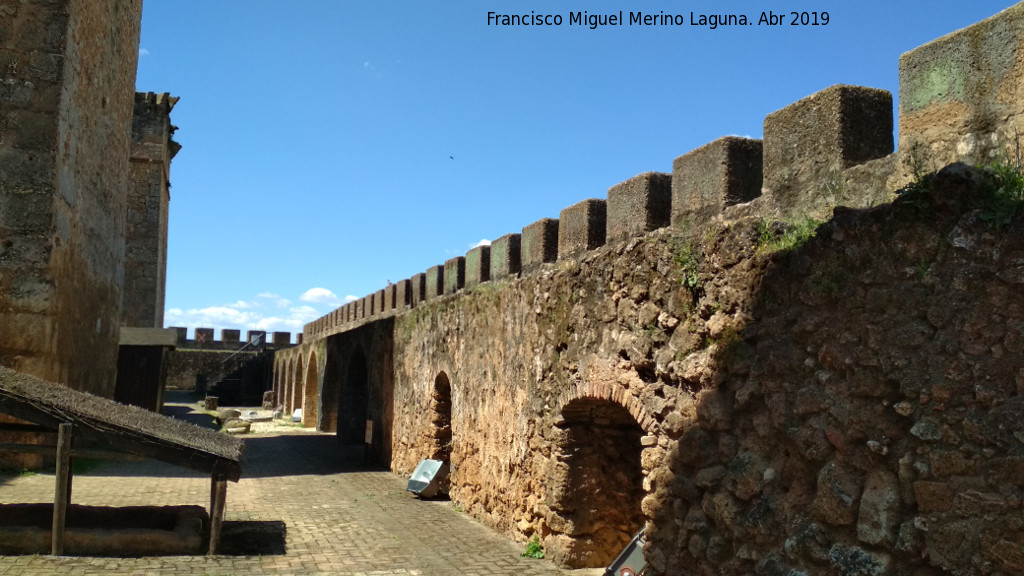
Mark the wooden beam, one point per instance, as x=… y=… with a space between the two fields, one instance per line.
x=128 y=440
x=63 y=488
x=218 y=496
x=7 y=427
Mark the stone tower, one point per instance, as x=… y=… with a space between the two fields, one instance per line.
x=67 y=75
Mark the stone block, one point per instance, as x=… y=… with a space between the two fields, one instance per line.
x=879 y=514
x=723 y=173
x=230 y=337
x=379 y=302
x=808 y=144
x=419 y=289
x=540 y=243
x=369 y=306
x=960 y=95
x=282 y=338
x=454 y=274
x=259 y=335
x=182 y=334
x=403 y=294
x=434 y=282
x=298 y=338
x=933 y=496
x=639 y=205
x=204 y=336
x=389 y=297
x=357 y=310
x=478 y=265
x=582 y=227
x=505 y=256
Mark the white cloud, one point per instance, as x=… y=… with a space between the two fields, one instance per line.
x=278 y=300
x=350 y=298
x=143 y=52
x=484 y=242
x=254 y=314
x=320 y=296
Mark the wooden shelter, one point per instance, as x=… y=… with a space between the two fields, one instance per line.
x=73 y=423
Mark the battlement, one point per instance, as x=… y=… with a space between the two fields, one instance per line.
x=230 y=339
x=832 y=148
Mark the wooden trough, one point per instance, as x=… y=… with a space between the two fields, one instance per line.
x=76 y=424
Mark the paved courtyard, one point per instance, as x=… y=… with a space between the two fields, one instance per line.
x=336 y=516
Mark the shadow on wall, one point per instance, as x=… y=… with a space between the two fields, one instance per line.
x=869 y=415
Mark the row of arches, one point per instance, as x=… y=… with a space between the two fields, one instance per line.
x=595 y=494
x=296 y=386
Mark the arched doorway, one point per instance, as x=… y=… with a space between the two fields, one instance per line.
x=286 y=392
x=600 y=487
x=310 y=398
x=352 y=401
x=278 y=372
x=296 y=389
x=441 y=419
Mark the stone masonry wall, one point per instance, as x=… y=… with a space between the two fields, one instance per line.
x=66 y=101
x=847 y=404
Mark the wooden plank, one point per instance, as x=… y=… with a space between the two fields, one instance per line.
x=95 y=454
x=63 y=488
x=218 y=495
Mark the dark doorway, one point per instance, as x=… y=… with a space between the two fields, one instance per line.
x=441 y=418
x=352 y=401
x=602 y=487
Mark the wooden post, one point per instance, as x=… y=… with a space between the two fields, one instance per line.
x=218 y=495
x=62 y=491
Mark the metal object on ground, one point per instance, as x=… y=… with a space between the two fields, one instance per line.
x=427 y=478
x=629 y=562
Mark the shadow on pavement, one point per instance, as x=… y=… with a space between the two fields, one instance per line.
x=264 y=457
x=302 y=455
x=187 y=414
x=253 y=538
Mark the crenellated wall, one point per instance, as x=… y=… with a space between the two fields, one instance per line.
x=675 y=356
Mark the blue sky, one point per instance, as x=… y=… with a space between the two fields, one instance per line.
x=330 y=146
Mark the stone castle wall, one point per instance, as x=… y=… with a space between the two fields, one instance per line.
x=653 y=358
x=66 y=92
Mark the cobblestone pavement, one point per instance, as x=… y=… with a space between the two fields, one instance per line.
x=338 y=517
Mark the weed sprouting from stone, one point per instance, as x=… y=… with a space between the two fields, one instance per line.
x=1004 y=201
x=534 y=549
x=775 y=236
x=688 y=262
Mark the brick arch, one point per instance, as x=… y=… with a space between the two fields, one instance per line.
x=441 y=417
x=353 y=398
x=616 y=394
x=278 y=375
x=598 y=487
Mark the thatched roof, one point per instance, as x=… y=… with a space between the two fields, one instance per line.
x=119 y=427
